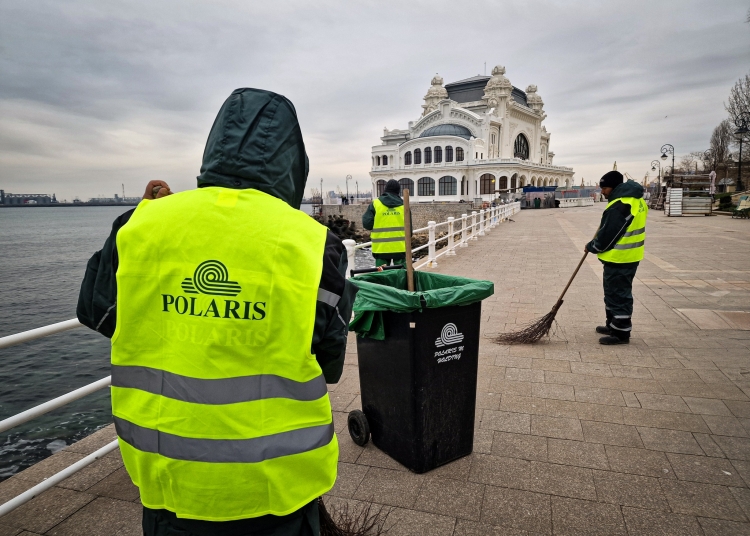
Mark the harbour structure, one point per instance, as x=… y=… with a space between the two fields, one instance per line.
x=26 y=199
x=476 y=138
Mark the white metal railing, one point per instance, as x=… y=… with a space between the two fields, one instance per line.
x=473 y=225
x=41 y=409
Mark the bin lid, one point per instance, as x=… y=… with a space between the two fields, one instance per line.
x=386 y=291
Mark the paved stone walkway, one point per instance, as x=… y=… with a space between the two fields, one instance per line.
x=571 y=437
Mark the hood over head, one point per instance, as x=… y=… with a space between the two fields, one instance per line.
x=628 y=188
x=256 y=142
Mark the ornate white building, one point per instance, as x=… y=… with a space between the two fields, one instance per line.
x=479 y=137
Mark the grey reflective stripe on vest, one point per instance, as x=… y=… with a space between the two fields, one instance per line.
x=392 y=239
x=630 y=246
x=636 y=232
x=387 y=230
x=253 y=450
x=219 y=391
x=328 y=297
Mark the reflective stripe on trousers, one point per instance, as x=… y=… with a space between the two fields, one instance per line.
x=253 y=450
x=216 y=391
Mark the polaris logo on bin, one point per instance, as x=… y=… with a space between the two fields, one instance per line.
x=449 y=335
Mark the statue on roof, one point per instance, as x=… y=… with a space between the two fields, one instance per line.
x=435 y=94
x=498 y=87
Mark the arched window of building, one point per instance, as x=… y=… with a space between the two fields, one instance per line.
x=503 y=183
x=407 y=158
x=426 y=186
x=406 y=184
x=486 y=184
x=447 y=185
x=459 y=154
x=417 y=156
x=385 y=160
x=377 y=160
x=380 y=187
x=438 y=152
x=521 y=147
x=427 y=155
x=513 y=183
x=448 y=153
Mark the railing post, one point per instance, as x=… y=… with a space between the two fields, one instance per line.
x=451 y=245
x=473 y=225
x=493 y=219
x=464 y=238
x=488 y=220
x=350 y=252
x=481 y=222
x=431 y=244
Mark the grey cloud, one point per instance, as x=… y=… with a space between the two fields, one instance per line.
x=93 y=94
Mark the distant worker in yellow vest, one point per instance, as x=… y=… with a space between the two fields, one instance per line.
x=227 y=308
x=619 y=244
x=385 y=219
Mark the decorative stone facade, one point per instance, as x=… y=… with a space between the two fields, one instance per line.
x=476 y=138
x=421 y=213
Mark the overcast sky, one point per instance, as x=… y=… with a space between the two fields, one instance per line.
x=99 y=93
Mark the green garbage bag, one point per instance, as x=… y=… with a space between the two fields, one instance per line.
x=386 y=291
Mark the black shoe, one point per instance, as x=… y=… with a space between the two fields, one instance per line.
x=604 y=330
x=611 y=339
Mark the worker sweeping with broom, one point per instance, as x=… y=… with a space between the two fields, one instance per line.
x=619 y=244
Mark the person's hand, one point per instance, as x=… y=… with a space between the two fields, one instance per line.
x=156 y=190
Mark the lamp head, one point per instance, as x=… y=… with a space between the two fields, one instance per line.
x=653 y=168
x=663 y=156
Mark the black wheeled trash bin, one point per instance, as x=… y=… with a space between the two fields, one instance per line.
x=418 y=357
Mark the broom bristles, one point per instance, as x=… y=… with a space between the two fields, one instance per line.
x=533 y=332
x=364 y=523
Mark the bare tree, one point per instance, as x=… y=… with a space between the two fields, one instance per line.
x=738 y=105
x=721 y=138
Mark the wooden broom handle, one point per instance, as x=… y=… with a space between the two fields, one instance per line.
x=559 y=300
x=407 y=245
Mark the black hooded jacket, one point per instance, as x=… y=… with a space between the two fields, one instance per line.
x=615 y=219
x=255 y=142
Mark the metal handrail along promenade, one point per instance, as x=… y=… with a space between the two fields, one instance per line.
x=481 y=222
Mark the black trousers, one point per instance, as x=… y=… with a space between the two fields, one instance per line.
x=303 y=522
x=618 y=296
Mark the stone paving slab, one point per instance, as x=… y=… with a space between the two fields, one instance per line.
x=570 y=437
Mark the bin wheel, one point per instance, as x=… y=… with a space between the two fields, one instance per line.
x=358 y=427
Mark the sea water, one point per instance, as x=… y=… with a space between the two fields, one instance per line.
x=43 y=256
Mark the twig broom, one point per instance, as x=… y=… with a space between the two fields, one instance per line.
x=539 y=328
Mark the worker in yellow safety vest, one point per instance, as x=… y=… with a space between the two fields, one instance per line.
x=385 y=219
x=619 y=244
x=227 y=308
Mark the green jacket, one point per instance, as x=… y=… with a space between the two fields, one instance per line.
x=616 y=218
x=255 y=142
x=368 y=218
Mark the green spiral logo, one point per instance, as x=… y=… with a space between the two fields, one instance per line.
x=211 y=277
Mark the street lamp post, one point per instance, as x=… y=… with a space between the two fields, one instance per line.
x=742 y=128
x=668 y=149
x=654 y=165
x=357 y=183
x=348 y=178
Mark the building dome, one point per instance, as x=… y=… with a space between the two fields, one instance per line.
x=447 y=130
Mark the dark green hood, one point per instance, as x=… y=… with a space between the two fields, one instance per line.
x=256 y=142
x=626 y=189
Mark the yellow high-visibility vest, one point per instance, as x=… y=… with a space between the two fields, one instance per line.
x=388 y=230
x=221 y=409
x=631 y=246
